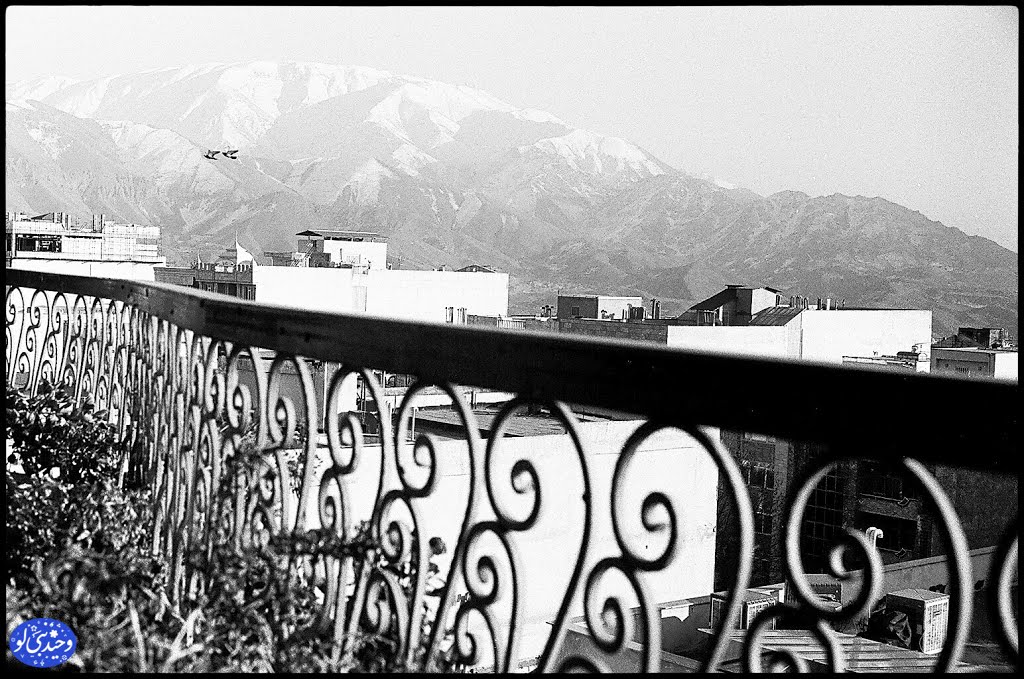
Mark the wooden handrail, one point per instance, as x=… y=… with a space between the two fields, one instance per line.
x=857 y=411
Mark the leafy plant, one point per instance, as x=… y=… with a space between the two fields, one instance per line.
x=62 y=464
x=79 y=550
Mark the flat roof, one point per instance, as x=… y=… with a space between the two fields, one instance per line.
x=522 y=424
x=918 y=593
x=775 y=315
x=337 y=233
x=870 y=308
x=603 y=296
x=860 y=654
x=976 y=350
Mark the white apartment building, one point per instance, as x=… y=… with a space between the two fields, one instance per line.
x=53 y=242
x=754 y=322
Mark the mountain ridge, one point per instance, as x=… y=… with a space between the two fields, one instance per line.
x=456 y=176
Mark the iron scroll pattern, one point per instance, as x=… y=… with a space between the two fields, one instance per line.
x=180 y=401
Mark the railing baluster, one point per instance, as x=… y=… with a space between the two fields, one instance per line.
x=197 y=388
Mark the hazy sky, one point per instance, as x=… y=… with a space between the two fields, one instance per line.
x=918 y=105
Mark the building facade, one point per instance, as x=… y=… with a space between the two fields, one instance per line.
x=57 y=242
x=348 y=276
x=597 y=306
x=969 y=362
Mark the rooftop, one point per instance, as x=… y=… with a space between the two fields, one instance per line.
x=336 y=233
x=523 y=424
x=860 y=654
x=602 y=296
x=775 y=315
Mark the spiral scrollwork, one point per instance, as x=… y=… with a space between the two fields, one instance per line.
x=191 y=407
x=1002 y=576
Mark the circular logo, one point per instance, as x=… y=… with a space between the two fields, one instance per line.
x=42 y=642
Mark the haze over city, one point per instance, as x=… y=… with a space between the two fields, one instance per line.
x=918 y=105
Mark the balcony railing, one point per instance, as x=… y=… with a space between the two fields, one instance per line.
x=164 y=362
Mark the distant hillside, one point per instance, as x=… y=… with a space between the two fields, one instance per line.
x=455 y=176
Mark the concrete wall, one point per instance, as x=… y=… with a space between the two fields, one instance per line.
x=963 y=363
x=394 y=293
x=669 y=461
x=423 y=295
x=984 y=502
x=975 y=363
x=830 y=335
x=616 y=307
x=587 y=306
x=133 y=271
x=307 y=287
x=355 y=251
x=750 y=301
x=1006 y=365
x=924 y=574
x=647 y=332
x=753 y=340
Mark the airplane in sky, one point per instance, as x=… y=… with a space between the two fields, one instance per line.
x=212 y=155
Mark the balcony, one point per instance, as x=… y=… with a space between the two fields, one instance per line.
x=586 y=531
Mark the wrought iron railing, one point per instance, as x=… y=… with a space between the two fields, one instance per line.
x=164 y=362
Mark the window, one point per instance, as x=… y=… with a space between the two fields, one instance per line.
x=898 y=535
x=757 y=475
x=822 y=519
x=763 y=522
x=880 y=480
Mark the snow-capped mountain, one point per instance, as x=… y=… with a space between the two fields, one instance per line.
x=454 y=176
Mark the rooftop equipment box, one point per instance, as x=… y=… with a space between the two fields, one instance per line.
x=928 y=612
x=753 y=602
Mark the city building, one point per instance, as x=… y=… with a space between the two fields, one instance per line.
x=855 y=494
x=344 y=271
x=230 y=273
x=976 y=338
x=599 y=306
x=736 y=305
x=972 y=362
x=761 y=322
x=903 y=361
x=333 y=248
x=536 y=437
x=477 y=268
x=687 y=634
x=57 y=242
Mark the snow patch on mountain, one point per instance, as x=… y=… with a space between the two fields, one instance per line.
x=365 y=182
x=258 y=83
x=49 y=138
x=595 y=154
x=37 y=88
x=538 y=116
x=88 y=102
x=165 y=155
x=411 y=160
